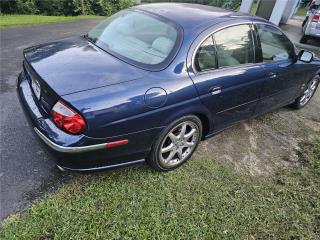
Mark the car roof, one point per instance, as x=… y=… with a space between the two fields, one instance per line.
x=191 y=16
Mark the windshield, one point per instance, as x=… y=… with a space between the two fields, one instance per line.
x=136 y=36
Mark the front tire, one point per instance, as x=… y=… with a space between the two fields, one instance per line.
x=176 y=144
x=307 y=94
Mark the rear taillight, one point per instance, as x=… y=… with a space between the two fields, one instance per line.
x=67 y=119
x=315 y=18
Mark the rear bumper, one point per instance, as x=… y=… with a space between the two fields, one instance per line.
x=79 y=152
x=40 y=120
x=312 y=30
x=63 y=149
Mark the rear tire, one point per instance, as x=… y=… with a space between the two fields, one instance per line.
x=176 y=144
x=307 y=94
x=304 y=21
x=304 y=39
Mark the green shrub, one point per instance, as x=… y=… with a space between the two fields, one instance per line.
x=63 y=7
x=230 y=4
x=27 y=6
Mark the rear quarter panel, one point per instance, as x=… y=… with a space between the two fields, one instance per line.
x=121 y=109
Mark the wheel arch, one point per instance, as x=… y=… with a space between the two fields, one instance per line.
x=312 y=76
x=199 y=111
x=206 y=126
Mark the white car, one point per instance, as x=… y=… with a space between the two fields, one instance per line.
x=311 y=24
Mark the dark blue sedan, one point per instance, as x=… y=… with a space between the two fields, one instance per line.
x=150 y=82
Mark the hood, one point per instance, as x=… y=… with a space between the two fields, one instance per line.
x=75 y=64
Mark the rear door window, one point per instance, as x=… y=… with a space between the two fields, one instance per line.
x=205 y=58
x=234 y=46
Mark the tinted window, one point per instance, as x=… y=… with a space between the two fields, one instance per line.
x=314 y=6
x=136 y=36
x=274 y=44
x=234 y=46
x=205 y=57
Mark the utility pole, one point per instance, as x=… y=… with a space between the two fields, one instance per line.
x=82 y=7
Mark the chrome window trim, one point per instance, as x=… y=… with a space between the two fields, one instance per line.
x=231 y=67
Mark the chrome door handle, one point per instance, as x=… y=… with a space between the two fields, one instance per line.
x=272 y=75
x=215 y=90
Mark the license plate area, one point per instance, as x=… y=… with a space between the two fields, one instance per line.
x=36 y=88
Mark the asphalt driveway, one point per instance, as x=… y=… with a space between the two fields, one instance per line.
x=28 y=172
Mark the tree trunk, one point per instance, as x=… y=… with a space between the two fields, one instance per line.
x=82 y=7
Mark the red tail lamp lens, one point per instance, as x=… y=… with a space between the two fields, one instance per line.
x=315 y=18
x=67 y=119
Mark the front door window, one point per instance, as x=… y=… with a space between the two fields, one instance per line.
x=275 y=45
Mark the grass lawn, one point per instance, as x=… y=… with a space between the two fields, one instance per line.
x=19 y=20
x=202 y=200
x=301 y=12
x=254 y=9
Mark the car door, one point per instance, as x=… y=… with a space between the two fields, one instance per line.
x=225 y=75
x=286 y=75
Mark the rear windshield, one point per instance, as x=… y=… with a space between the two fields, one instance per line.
x=137 y=37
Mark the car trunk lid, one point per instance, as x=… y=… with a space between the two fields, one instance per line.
x=75 y=64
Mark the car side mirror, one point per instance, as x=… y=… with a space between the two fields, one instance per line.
x=305 y=56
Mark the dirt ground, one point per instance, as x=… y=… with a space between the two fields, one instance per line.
x=258 y=145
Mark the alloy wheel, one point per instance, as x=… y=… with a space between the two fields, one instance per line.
x=178 y=144
x=308 y=93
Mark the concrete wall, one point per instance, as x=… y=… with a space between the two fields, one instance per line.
x=246 y=6
x=281 y=12
x=278 y=11
x=289 y=10
x=265 y=8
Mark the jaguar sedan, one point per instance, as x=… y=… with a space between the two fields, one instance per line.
x=150 y=82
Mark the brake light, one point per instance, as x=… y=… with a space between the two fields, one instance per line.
x=67 y=119
x=315 y=18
